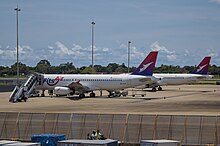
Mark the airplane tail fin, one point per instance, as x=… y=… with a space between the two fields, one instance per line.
x=202 y=68
x=147 y=66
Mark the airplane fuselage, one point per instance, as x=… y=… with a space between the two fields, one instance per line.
x=93 y=82
x=179 y=79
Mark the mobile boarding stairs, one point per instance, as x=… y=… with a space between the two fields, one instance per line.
x=23 y=92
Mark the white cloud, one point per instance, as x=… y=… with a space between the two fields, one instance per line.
x=156 y=47
x=105 y=49
x=123 y=46
x=212 y=52
x=62 y=50
x=215 y=1
x=8 y=54
x=50 y=47
x=187 y=53
x=135 y=53
x=25 y=50
x=171 y=57
x=75 y=53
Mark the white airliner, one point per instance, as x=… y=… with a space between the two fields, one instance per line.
x=64 y=84
x=200 y=73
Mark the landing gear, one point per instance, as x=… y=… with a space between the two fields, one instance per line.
x=100 y=92
x=82 y=95
x=42 y=94
x=110 y=94
x=160 y=88
x=114 y=94
x=92 y=94
x=25 y=99
x=154 y=89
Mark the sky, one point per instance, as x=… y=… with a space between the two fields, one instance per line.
x=183 y=31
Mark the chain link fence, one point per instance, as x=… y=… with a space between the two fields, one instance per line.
x=126 y=128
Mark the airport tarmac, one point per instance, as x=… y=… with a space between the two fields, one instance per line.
x=173 y=100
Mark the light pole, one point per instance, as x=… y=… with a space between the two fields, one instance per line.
x=93 y=23
x=129 y=50
x=17 y=10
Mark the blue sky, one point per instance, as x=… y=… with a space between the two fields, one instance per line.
x=183 y=31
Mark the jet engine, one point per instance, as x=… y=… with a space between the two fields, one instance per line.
x=61 y=91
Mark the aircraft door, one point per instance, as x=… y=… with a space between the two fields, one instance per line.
x=40 y=79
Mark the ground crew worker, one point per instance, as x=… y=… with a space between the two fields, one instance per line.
x=88 y=137
x=99 y=135
x=93 y=136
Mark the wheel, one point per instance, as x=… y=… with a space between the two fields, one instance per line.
x=82 y=95
x=159 y=88
x=154 y=89
x=92 y=94
x=25 y=99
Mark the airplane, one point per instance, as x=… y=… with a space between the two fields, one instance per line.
x=200 y=73
x=65 y=84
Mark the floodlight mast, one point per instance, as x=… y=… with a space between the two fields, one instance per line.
x=17 y=10
x=129 y=52
x=93 y=23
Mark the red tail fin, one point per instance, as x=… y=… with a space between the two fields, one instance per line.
x=147 y=66
x=202 y=68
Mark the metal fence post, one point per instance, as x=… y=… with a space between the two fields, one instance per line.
x=110 y=127
x=4 y=126
x=125 y=128
x=83 y=125
x=140 y=129
x=70 y=127
x=155 y=128
x=200 y=130
x=17 y=126
x=55 y=126
x=28 y=125
x=170 y=128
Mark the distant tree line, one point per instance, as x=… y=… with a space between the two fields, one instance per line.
x=44 y=66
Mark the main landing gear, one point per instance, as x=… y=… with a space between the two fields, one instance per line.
x=154 y=89
x=82 y=95
x=160 y=88
x=42 y=93
x=92 y=94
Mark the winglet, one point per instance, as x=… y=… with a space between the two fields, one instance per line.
x=147 y=66
x=202 y=68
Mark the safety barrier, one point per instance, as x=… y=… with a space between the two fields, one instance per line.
x=126 y=128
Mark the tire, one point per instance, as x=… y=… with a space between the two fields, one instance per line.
x=160 y=88
x=82 y=95
x=154 y=89
x=92 y=94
